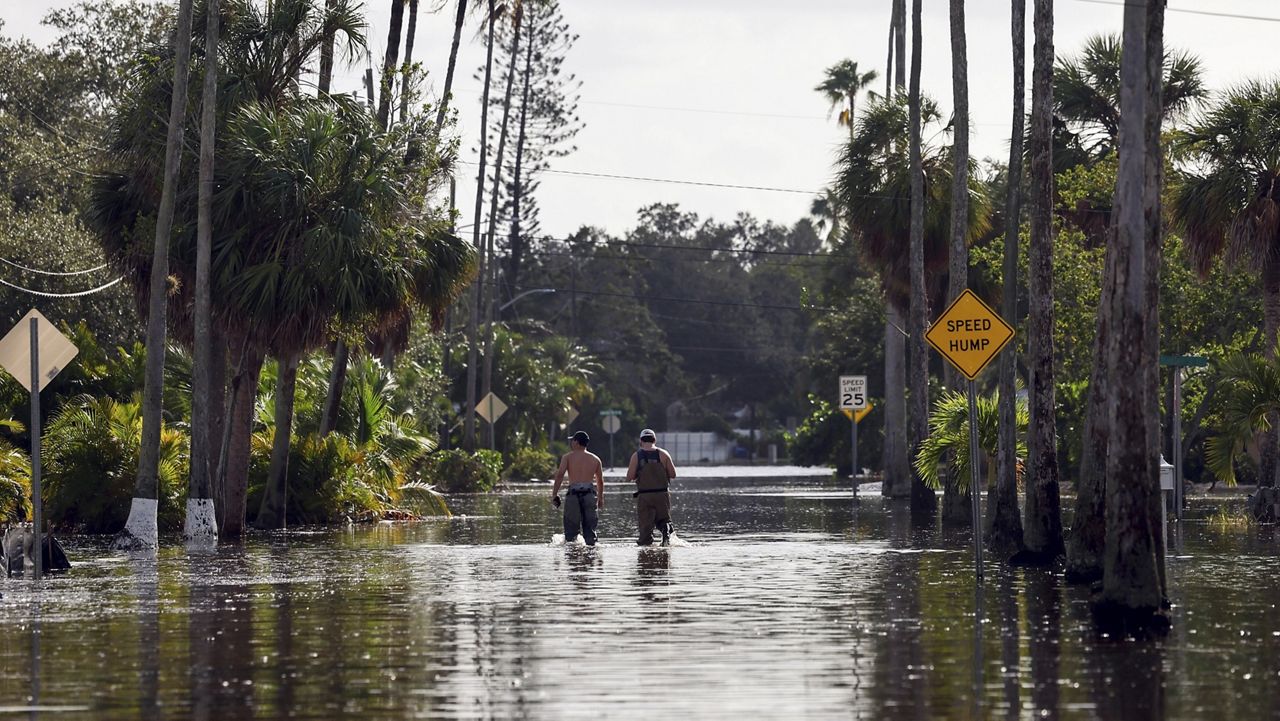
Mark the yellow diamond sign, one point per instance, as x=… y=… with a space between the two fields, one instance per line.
x=857 y=415
x=969 y=334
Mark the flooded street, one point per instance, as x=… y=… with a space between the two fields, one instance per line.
x=786 y=603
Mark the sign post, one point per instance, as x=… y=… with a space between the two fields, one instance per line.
x=969 y=334
x=1177 y=363
x=34 y=358
x=853 y=397
x=611 y=424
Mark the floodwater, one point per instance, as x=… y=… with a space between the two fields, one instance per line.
x=786 y=603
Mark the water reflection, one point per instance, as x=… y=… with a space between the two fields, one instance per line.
x=788 y=603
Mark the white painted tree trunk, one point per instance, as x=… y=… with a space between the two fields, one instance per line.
x=201 y=526
x=140 y=530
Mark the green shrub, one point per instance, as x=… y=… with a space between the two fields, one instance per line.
x=91 y=458
x=15 y=482
x=458 y=471
x=530 y=464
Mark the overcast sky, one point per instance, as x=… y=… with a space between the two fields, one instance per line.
x=721 y=91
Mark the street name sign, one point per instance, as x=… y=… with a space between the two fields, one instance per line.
x=491 y=408
x=853 y=392
x=969 y=334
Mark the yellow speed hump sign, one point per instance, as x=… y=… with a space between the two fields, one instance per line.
x=969 y=334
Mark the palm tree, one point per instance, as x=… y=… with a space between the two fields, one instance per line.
x=1042 y=523
x=1226 y=201
x=201 y=525
x=356 y=251
x=1004 y=524
x=874 y=182
x=140 y=528
x=922 y=497
x=1086 y=91
x=1133 y=577
x=948 y=440
x=1249 y=402
x=841 y=87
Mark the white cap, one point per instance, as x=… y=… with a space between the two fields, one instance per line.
x=648 y=434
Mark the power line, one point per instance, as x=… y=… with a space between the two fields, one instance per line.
x=1188 y=11
x=50 y=272
x=43 y=294
x=632 y=296
x=671 y=181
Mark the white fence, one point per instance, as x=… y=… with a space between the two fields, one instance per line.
x=691 y=448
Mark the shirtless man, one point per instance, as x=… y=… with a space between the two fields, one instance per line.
x=583 y=499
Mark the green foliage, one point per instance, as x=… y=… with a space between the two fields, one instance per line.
x=91 y=454
x=949 y=437
x=458 y=471
x=530 y=464
x=15 y=478
x=823 y=439
x=1249 y=390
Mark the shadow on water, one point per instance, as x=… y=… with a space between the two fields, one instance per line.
x=786 y=602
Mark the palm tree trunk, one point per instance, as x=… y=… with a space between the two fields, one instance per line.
x=897 y=464
x=473 y=326
x=1154 y=210
x=897 y=469
x=1270 y=461
x=239 y=436
x=516 y=242
x=408 y=60
x=1004 y=524
x=389 y=63
x=900 y=43
x=1087 y=540
x=326 y=56
x=217 y=404
x=337 y=381
x=274 y=509
x=1131 y=591
x=445 y=95
x=957 y=504
x=201 y=525
x=923 y=504
x=140 y=529
x=1042 y=526
x=503 y=132
x=888 y=60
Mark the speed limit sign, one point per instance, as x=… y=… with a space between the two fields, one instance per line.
x=853 y=392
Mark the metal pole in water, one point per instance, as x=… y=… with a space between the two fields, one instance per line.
x=36 y=514
x=854 y=473
x=1177 y=443
x=975 y=491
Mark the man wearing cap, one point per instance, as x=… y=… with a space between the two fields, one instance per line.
x=652 y=470
x=583 y=500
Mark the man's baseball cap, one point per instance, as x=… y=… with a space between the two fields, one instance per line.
x=582 y=438
x=648 y=435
